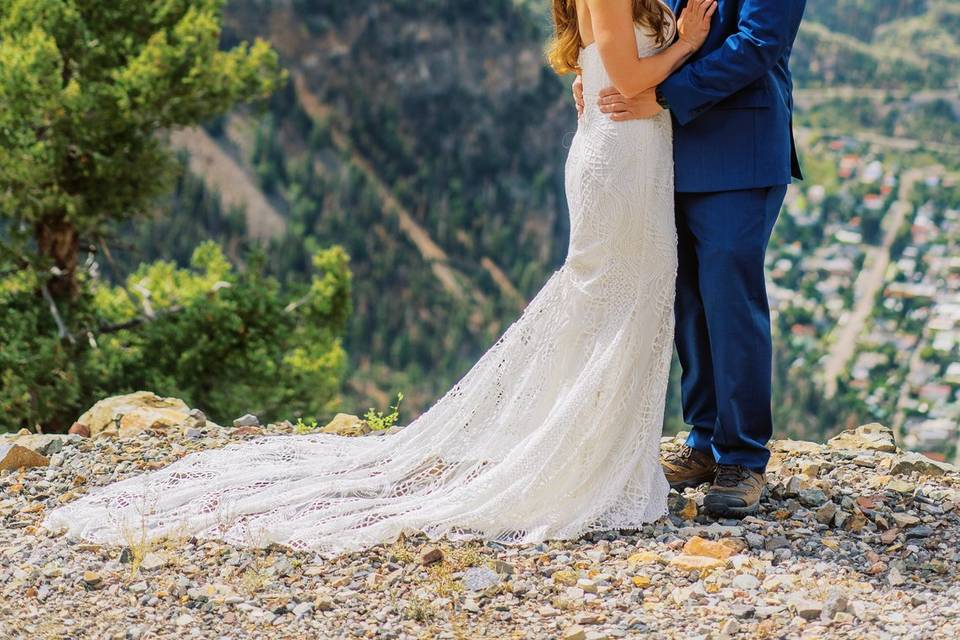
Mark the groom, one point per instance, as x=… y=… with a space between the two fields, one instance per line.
x=734 y=153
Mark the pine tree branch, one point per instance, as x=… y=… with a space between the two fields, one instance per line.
x=52 y=304
x=139 y=320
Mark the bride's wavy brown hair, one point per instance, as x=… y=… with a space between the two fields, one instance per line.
x=563 y=51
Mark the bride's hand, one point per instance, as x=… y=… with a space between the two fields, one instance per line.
x=694 y=22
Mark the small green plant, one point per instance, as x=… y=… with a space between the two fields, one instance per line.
x=420 y=610
x=378 y=421
x=305 y=427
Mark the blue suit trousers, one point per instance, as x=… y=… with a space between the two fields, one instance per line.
x=723 y=321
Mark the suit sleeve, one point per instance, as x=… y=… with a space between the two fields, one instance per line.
x=765 y=30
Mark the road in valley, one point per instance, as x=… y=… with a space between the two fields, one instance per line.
x=869 y=282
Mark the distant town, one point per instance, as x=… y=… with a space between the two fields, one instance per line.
x=865 y=288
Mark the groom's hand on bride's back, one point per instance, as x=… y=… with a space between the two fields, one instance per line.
x=643 y=105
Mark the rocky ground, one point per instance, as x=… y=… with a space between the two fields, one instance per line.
x=855 y=540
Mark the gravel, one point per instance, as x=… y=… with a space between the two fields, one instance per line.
x=851 y=542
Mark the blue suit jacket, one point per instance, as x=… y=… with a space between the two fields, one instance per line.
x=732 y=101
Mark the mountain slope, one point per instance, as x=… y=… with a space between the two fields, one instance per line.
x=428 y=138
x=879 y=44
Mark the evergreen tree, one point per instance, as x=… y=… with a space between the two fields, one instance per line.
x=87 y=88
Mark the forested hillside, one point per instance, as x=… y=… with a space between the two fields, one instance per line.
x=428 y=139
x=893 y=44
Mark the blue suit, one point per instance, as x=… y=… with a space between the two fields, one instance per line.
x=734 y=154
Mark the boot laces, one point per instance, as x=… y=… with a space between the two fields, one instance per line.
x=682 y=457
x=730 y=475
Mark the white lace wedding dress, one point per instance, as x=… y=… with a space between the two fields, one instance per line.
x=553 y=433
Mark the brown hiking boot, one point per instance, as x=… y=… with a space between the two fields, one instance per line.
x=735 y=493
x=688 y=468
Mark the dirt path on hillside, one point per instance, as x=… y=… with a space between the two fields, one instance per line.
x=452 y=280
x=223 y=174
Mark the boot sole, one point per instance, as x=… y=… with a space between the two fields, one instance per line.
x=722 y=510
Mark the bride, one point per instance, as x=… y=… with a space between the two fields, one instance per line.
x=555 y=431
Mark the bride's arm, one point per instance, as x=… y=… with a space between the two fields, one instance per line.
x=613 y=30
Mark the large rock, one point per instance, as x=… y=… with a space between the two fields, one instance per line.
x=247 y=420
x=130 y=414
x=42 y=443
x=911 y=462
x=795 y=446
x=697 y=546
x=13 y=457
x=344 y=424
x=703 y=564
x=869 y=437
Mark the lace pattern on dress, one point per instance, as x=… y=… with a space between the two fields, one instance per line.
x=553 y=433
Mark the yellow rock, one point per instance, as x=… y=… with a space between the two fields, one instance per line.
x=689 y=511
x=643 y=557
x=775 y=463
x=344 y=424
x=795 y=446
x=641 y=581
x=697 y=546
x=703 y=564
x=869 y=437
x=811 y=470
x=135 y=412
x=566 y=578
x=575 y=632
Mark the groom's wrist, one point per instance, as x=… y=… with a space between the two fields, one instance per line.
x=662 y=99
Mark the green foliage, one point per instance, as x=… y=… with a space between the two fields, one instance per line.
x=224 y=340
x=304 y=427
x=85 y=87
x=38 y=375
x=378 y=421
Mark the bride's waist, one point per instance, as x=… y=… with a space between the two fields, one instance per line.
x=591 y=107
x=593 y=117
x=594 y=82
